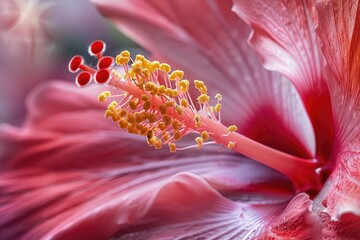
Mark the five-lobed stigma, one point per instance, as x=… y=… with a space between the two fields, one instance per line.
x=150 y=99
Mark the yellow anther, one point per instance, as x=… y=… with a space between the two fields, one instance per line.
x=132 y=129
x=115 y=118
x=166 y=136
x=164 y=67
x=166 y=120
x=137 y=64
x=183 y=102
x=161 y=126
x=178 y=110
x=152 y=118
x=218 y=96
x=144 y=131
x=121 y=60
x=232 y=128
x=140 y=84
x=112 y=106
x=158 y=144
x=149 y=86
x=177 y=135
x=199 y=142
x=145 y=97
x=153 y=66
x=132 y=74
x=130 y=118
x=176 y=124
x=123 y=123
x=161 y=89
x=200 y=85
x=217 y=107
x=205 y=136
x=154 y=91
x=138 y=117
x=174 y=93
x=139 y=126
x=162 y=109
x=197 y=120
x=137 y=70
x=125 y=53
x=170 y=104
x=144 y=116
x=109 y=113
x=177 y=74
x=103 y=96
x=203 y=98
x=184 y=86
x=168 y=92
x=172 y=147
x=122 y=113
x=147 y=105
x=231 y=145
x=140 y=58
x=133 y=104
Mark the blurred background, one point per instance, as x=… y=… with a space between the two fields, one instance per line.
x=37 y=40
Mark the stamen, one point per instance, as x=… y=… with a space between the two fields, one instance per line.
x=155 y=104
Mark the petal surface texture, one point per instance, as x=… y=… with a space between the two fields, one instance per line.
x=80 y=177
x=339 y=24
x=284 y=36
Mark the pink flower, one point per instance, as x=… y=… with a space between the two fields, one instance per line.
x=70 y=174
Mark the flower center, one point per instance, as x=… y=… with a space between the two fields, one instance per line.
x=154 y=102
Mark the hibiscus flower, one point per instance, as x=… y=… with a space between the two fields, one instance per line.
x=70 y=174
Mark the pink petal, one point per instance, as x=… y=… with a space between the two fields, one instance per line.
x=283 y=35
x=339 y=31
x=213 y=47
x=339 y=24
x=209 y=216
x=346 y=228
x=91 y=181
x=342 y=193
x=295 y=222
x=71 y=104
x=98 y=202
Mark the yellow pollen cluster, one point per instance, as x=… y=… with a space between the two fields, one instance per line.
x=164 y=67
x=123 y=58
x=205 y=136
x=155 y=106
x=176 y=75
x=200 y=85
x=184 y=85
x=104 y=96
x=199 y=142
x=232 y=128
x=156 y=112
x=184 y=103
x=217 y=107
x=203 y=98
